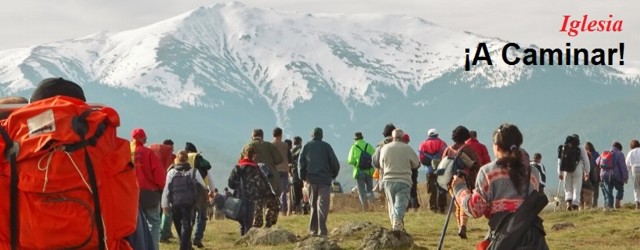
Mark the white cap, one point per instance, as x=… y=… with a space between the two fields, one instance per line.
x=432 y=132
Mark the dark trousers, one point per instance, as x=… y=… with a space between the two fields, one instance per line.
x=246 y=218
x=413 y=196
x=437 y=197
x=182 y=219
x=296 y=195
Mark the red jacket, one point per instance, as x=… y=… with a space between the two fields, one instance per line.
x=432 y=146
x=164 y=153
x=480 y=149
x=151 y=175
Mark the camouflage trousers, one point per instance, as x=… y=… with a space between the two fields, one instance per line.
x=272 y=204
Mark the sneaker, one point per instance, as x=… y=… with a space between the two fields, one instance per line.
x=462 y=232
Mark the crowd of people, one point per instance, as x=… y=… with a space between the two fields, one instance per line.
x=282 y=177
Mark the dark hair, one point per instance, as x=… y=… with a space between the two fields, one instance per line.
x=386 y=132
x=617 y=145
x=508 y=140
x=297 y=140
x=473 y=134
x=589 y=147
x=634 y=144
x=167 y=142
x=537 y=156
x=277 y=132
x=215 y=190
x=257 y=133
x=460 y=134
x=289 y=143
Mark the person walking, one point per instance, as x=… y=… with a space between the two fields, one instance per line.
x=573 y=169
x=268 y=154
x=283 y=170
x=397 y=159
x=614 y=175
x=633 y=165
x=502 y=186
x=431 y=151
x=594 y=173
x=318 y=167
x=362 y=172
x=179 y=197
x=151 y=177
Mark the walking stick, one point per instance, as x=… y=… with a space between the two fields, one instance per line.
x=460 y=173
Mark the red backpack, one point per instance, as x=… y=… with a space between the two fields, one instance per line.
x=606 y=160
x=66 y=179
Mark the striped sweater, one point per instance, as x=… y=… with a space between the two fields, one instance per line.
x=494 y=192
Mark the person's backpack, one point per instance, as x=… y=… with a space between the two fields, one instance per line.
x=606 y=160
x=569 y=154
x=522 y=229
x=449 y=166
x=183 y=188
x=365 y=161
x=66 y=178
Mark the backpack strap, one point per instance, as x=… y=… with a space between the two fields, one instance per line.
x=81 y=127
x=10 y=153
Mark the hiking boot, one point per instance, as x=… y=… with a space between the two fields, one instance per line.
x=637 y=204
x=575 y=207
x=198 y=244
x=441 y=209
x=462 y=232
x=617 y=203
x=569 y=205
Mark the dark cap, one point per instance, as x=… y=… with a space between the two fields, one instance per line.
x=51 y=87
x=358 y=136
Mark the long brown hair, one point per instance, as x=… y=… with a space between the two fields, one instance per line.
x=508 y=140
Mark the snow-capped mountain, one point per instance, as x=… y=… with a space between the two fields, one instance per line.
x=212 y=74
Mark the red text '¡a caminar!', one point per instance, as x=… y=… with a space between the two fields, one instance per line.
x=573 y=27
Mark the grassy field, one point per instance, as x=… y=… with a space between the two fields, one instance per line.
x=594 y=229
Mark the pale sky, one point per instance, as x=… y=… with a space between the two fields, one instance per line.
x=33 y=22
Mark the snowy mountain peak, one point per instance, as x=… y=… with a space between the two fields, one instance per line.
x=261 y=55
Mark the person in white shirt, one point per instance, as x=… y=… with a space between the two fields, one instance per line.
x=633 y=165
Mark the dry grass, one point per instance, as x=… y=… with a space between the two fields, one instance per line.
x=594 y=230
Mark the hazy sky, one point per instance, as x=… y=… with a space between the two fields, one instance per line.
x=31 y=22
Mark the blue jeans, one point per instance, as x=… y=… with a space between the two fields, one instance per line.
x=182 y=218
x=165 y=227
x=398 y=199
x=284 y=185
x=246 y=218
x=365 y=188
x=153 y=219
x=607 y=191
x=201 y=223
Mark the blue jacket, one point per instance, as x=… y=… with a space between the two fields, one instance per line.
x=619 y=171
x=318 y=162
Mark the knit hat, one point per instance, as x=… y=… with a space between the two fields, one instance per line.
x=189 y=147
x=317 y=133
x=432 y=132
x=358 y=136
x=51 y=87
x=138 y=133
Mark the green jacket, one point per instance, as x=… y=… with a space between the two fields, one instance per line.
x=354 y=156
x=268 y=154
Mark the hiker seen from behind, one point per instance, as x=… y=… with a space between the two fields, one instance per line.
x=179 y=197
x=573 y=167
x=506 y=190
x=360 y=159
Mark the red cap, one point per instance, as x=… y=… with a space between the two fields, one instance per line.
x=138 y=133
